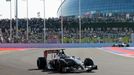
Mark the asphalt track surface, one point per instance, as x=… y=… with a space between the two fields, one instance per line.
x=24 y=62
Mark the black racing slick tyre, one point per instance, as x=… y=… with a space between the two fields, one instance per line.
x=41 y=63
x=127 y=45
x=88 y=62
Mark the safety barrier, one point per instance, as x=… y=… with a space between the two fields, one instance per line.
x=65 y=45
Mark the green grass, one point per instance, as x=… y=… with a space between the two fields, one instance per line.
x=125 y=39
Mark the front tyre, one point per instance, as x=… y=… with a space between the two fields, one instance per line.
x=88 y=62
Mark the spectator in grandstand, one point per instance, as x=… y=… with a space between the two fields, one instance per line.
x=95 y=29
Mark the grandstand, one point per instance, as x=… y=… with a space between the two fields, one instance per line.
x=91 y=32
x=107 y=21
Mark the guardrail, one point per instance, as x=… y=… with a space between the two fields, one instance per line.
x=65 y=45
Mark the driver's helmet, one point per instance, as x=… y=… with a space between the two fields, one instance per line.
x=62 y=55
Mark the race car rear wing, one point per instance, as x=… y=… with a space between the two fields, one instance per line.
x=46 y=52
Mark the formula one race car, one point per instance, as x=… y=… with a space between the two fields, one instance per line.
x=121 y=45
x=62 y=63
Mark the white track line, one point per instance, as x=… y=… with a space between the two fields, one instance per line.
x=116 y=53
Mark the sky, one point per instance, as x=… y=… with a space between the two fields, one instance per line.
x=34 y=6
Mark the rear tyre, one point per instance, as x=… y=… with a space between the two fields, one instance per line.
x=41 y=63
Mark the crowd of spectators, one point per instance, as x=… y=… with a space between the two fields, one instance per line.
x=91 y=30
x=98 y=36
